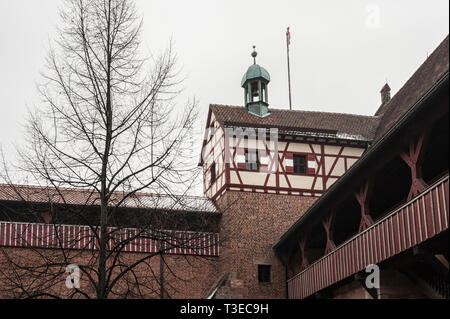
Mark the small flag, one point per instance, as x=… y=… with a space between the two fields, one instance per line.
x=288 y=36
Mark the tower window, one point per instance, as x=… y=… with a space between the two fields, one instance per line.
x=213 y=172
x=300 y=164
x=264 y=273
x=255 y=92
x=251 y=160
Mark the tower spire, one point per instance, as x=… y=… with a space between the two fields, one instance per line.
x=254 y=54
x=255 y=83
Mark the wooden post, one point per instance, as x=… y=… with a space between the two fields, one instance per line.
x=414 y=159
x=363 y=198
x=161 y=276
x=302 y=244
x=328 y=225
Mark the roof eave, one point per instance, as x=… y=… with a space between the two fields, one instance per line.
x=372 y=152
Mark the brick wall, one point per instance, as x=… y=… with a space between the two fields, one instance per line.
x=184 y=276
x=251 y=224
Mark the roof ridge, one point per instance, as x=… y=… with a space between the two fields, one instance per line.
x=303 y=111
x=85 y=190
x=383 y=107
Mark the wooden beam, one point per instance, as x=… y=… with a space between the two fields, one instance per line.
x=328 y=226
x=414 y=159
x=302 y=244
x=363 y=198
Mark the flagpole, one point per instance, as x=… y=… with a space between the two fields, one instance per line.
x=288 y=40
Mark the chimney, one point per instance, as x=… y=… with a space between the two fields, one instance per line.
x=385 y=94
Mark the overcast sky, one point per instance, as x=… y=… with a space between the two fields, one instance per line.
x=342 y=52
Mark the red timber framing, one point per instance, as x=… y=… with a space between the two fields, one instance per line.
x=420 y=219
x=363 y=198
x=47 y=236
x=315 y=168
x=414 y=159
x=215 y=155
x=328 y=226
x=302 y=245
x=233 y=159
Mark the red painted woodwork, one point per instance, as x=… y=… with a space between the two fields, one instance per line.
x=240 y=158
x=289 y=157
x=328 y=226
x=234 y=159
x=302 y=245
x=421 y=218
x=363 y=197
x=284 y=170
x=311 y=170
x=22 y=235
x=414 y=159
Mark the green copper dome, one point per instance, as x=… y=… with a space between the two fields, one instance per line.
x=255 y=71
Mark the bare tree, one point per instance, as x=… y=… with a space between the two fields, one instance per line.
x=109 y=127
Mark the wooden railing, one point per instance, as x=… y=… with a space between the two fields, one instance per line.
x=48 y=236
x=421 y=218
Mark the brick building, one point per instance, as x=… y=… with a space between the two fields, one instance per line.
x=296 y=203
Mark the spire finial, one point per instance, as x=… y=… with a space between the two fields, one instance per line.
x=254 y=54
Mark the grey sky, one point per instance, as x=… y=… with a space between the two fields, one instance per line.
x=338 y=61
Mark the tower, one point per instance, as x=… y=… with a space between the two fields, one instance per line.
x=254 y=82
x=263 y=183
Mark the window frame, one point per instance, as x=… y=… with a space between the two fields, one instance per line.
x=247 y=151
x=305 y=156
x=264 y=274
x=212 y=172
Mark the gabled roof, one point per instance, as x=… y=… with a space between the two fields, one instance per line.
x=431 y=77
x=428 y=74
x=340 y=125
x=72 y=196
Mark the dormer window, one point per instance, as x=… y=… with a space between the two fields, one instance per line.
x=251 y=160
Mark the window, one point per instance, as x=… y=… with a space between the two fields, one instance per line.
x=300 y=164
x=255 y=92
x=264 y=273
x=251 y=160
x=213 y=173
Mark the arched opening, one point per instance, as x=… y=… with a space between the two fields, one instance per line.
x=436 y=157
x=391 y=188
x=294 y=262
x=316 y=243
x=347 y=220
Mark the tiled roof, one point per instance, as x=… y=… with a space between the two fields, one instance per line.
x=340 y=125
x=70 y=196
x=347 y=126
x=428 y=74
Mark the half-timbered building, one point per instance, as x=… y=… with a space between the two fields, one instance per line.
x=297 y=204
